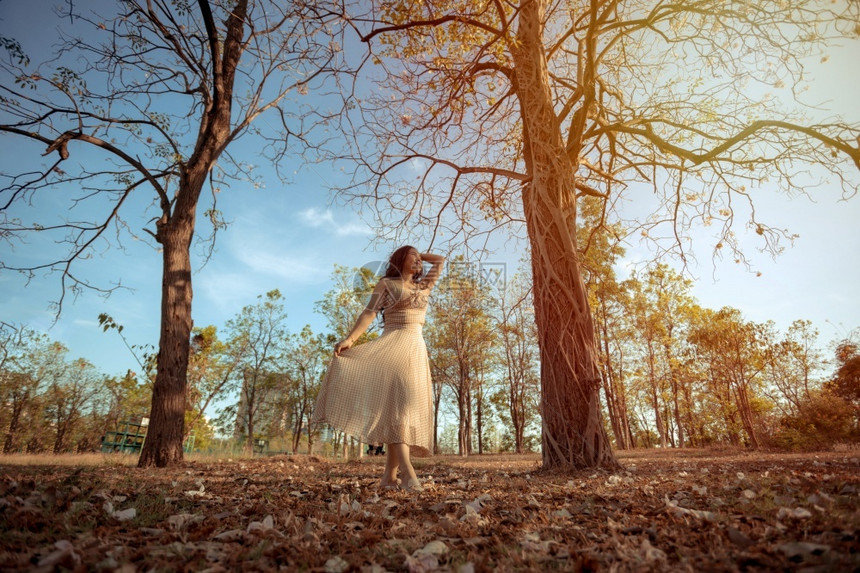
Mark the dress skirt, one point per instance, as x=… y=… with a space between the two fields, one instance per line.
x=380 y=391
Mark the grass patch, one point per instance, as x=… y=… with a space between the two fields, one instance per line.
x=92 y=459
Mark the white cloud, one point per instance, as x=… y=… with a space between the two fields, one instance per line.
x=317 y=218
x=283 y=266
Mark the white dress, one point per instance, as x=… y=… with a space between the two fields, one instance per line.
x=380 y=391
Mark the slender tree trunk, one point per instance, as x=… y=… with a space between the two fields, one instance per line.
x=461 y=430
x=469 y=419
x=573 y=435
x=608 y=393
x=516 y=411
x=437 y=400
x=745 y=411
x=14 y=423
x=297 y=427
x=673 y=375
x=655 y=399
x=297 y=436
x=626 y=419
x=479 y=416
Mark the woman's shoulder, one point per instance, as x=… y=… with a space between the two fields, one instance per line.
x=387 y=284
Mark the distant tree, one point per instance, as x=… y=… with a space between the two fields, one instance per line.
x=344 y=302
x=648 y=333
x=306 y=363
x=460 y=336
x=146 y=102
x=599 y=249
x=846 y=381
x=70 y=391
x=670 y=303
x=212 y=367
x=28 y=361
x=258 y=337
x=519 y=397
x=736 y=353
x=121 y=399
x=795 y=364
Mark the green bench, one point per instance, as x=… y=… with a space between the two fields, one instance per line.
x=128 y=439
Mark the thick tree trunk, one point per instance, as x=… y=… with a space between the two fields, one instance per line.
x=573 y=435
x=163 y=445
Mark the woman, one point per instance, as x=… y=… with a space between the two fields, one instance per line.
x=380 y=391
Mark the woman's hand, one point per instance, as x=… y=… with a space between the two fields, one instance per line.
x=341 y=346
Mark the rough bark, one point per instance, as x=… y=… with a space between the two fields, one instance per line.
x=573 y=435
x=163 y=444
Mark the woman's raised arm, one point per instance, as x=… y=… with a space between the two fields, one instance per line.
x=437 y=262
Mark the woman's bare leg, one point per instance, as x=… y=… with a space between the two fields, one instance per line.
x=405 y=464
x=389 y=477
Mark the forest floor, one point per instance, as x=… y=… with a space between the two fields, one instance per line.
x=693 y=510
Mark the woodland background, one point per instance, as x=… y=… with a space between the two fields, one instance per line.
x=675 y=374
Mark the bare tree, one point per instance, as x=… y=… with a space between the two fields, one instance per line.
x=307 y=362
x=460 y=337
x=149 y=101
x=519 y=355
x=793 y=364
x=71 y=388
x=28 y=360
x=736 y=354
x=512 y=111
x=258 y=337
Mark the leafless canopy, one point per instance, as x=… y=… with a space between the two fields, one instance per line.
x=122 y=109
x=699 y=104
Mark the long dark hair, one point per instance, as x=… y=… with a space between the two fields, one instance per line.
x=395 y=263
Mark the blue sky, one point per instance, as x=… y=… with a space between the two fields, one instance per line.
x=290 y=236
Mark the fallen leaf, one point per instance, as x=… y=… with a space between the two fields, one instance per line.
x=738 y=538
x=799 y=550
x=796 y=513
x=180 y=520
x=650 y=553
x=673 y=507
x=336 y=565
x=231 y=535
x=64 y=555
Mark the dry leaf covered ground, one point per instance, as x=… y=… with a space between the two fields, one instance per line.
x=692 y=510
